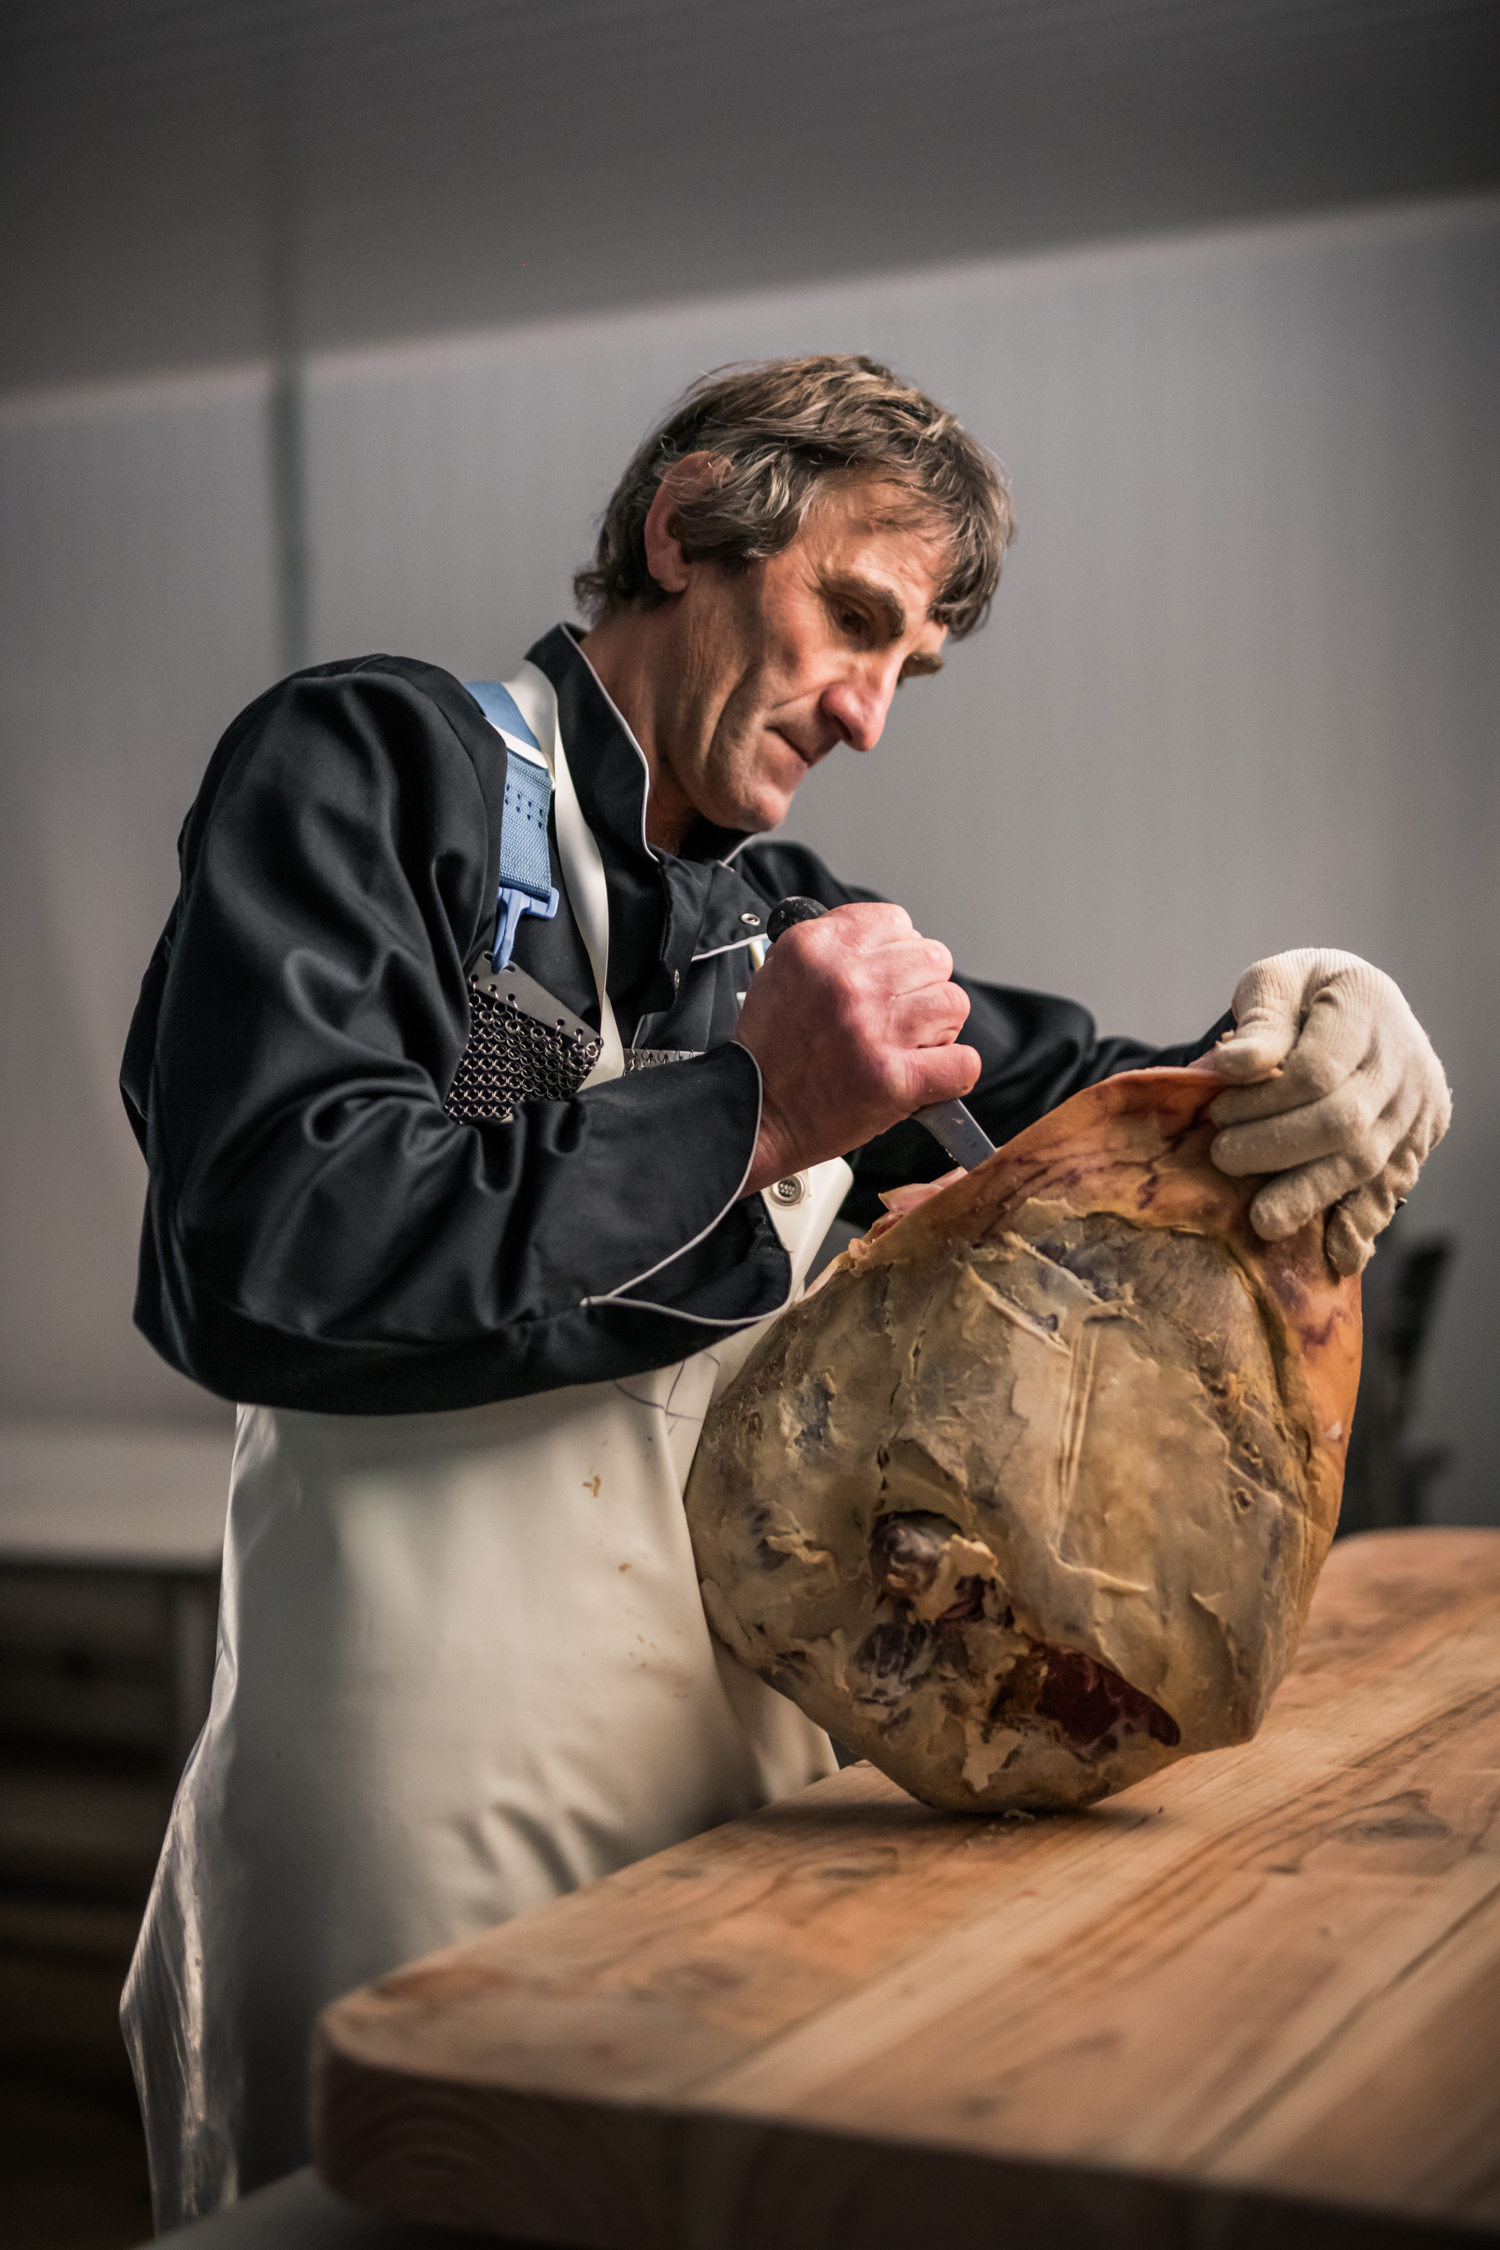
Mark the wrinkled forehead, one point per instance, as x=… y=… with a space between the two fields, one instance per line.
x=858 y=518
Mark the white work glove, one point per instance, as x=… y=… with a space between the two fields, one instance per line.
x=1357 y=1101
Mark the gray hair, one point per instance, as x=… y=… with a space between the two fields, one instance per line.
x=778 y=428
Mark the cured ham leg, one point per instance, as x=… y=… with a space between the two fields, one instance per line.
x=1029 y=1498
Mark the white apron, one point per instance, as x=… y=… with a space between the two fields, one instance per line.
x=463 y=1666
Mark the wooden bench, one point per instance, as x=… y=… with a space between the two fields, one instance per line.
x=1256 y=1999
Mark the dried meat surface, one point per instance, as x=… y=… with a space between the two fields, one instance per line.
x=1029 y=1498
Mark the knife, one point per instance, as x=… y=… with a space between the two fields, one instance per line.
x=956 y=1131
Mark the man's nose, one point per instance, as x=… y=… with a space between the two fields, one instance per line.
x=858 y=703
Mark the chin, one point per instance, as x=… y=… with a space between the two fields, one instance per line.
x=766 y=810
x=771 y=784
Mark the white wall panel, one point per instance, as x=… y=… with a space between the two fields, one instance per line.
x=135 y=609
x=1240 y=690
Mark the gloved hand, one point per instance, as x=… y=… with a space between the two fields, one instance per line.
x=1356 y=1104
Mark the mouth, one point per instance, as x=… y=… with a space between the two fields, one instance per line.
x=807 y=759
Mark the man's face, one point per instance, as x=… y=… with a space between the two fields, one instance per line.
x=775 y=665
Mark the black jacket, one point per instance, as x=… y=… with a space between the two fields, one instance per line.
x=319 y=1233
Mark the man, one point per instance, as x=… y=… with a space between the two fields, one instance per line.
x=463 y=1663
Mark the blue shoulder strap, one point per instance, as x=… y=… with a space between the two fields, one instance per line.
x=525 y=863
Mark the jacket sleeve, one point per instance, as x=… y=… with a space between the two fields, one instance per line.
x=1035 y=1049
x=319 y=1232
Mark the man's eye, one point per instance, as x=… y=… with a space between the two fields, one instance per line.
x=852 y=620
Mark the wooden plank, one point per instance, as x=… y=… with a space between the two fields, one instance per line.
x=1270 y=1976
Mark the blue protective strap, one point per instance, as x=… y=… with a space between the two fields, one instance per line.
x=525 y=861
x=502 y=710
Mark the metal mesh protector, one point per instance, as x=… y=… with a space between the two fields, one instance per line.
x=514 y=1057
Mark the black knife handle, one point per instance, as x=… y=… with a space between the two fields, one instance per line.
x=790 y=910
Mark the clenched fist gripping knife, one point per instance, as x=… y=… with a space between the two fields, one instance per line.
x=950 y=1124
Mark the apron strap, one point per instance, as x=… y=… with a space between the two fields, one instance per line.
x=525 y=865
x=523 y=711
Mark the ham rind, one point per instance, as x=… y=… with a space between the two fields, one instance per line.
x=1031 y=1496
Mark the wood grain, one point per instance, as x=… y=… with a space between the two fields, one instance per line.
x=1258 y=1995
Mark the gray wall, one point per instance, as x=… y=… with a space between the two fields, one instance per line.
x=1239 y=693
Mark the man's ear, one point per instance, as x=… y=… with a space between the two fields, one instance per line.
x=665 y=560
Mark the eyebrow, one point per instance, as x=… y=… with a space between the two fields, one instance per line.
x=878 y=596
x=892 y=612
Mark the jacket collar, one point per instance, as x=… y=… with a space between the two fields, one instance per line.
x=677 y=908
x=609 y=765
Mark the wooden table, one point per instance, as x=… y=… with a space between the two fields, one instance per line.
x=1255 y=2000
